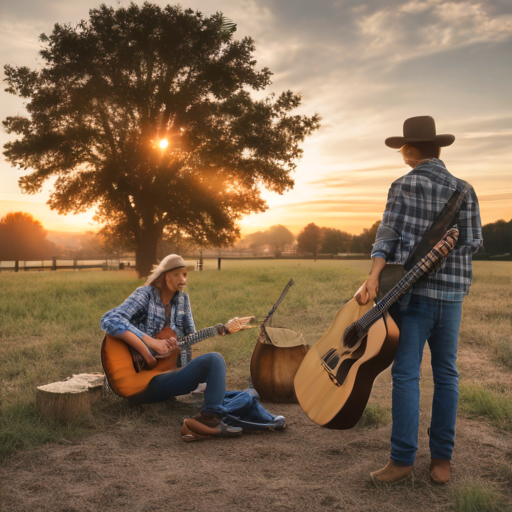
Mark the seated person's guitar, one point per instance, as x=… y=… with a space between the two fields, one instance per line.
x=336 y=377
x=118 y=364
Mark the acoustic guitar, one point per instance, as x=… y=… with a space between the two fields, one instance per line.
x=117 y=361
x=334 y=382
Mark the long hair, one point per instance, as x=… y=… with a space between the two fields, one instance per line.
x=158 y=283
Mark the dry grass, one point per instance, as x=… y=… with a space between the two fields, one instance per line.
x=50 y=330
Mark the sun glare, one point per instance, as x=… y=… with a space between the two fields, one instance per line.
x=164 y=143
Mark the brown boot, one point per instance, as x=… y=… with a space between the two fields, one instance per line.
x=391 y=474
x=210 y=420
x=440 y=471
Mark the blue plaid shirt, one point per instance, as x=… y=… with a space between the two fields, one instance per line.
x=143 y=312
x=414 y=202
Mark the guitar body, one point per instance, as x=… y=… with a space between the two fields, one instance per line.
x=117 y=362
x=336 y=399
x=335 y=379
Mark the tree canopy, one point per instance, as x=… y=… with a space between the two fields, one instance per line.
x=364 y=242
x=498 y=237
x=335 y=241
x=310 y=239
x=23 y=238
x=276 y=236
x=111 y=88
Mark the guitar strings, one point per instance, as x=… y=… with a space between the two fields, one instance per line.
x=360 y=327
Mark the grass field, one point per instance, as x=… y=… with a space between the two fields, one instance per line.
x=49 y=327
x=49 y=330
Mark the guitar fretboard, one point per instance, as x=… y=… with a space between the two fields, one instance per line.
x=196 y=337
x=425 y=266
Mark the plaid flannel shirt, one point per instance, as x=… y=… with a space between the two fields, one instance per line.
x=414 y=202
x=143 y=312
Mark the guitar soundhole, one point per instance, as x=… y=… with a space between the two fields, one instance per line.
x=347 y=364
x=331 y=358
x=361 y=349
x=343 y=370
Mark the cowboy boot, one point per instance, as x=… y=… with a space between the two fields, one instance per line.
x=440 y=471
x=391 y=474
x=206 y=425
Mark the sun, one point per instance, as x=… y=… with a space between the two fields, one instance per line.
x=164 y=143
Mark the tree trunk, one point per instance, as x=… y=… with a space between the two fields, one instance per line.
x=145 y=253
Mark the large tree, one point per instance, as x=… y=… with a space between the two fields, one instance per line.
x=111 y=88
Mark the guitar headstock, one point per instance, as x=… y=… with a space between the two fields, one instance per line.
x=447 y=243
x=433 y=260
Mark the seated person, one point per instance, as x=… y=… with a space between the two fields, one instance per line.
x=159 y=303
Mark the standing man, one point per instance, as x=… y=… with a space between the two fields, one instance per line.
x=432 y=312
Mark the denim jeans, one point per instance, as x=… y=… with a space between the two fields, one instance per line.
x=438 y=322
x=209 y=368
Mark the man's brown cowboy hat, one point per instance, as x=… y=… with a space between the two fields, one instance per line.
x=420 y=129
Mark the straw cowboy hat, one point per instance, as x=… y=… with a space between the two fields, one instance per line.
x=168 y=263
x=420 y=129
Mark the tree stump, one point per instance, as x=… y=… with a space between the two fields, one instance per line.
x=69 y=400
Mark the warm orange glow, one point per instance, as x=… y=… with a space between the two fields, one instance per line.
x=164 y=143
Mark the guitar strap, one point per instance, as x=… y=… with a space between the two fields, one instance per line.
x=444 y=221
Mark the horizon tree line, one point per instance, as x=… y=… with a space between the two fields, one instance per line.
x=23 y=238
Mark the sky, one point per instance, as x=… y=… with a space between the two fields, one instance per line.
x=364 y=67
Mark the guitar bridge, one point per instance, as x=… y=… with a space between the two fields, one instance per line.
x=331 y=375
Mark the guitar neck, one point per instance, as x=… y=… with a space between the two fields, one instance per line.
x=196 y=337
x=424 y=267
x=402 y=287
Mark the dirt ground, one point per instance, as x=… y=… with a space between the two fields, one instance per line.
x=145 y=466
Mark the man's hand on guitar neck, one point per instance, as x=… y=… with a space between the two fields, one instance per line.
x=369 y=289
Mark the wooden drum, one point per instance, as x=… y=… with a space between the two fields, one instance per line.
x=274 y=363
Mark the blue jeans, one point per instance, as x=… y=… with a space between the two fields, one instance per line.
x=438 y=322
x=209 y=368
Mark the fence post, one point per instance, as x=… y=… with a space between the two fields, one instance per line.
x=218 y=264
x=201 y=260
x=54 y=263
x=75 y=263
x=16 y=265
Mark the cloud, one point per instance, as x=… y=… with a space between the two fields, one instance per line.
x=365 y=67
x=485 y=135
x=421 y=27
x=351 y=182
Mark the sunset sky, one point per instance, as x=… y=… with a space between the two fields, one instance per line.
x=364 y=66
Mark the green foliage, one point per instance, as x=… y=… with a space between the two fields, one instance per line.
x=24 y=238
x=487 y=314
x=476 y=400
x=478 y=497
x=275 y=236
x=309 y=239
x=498 y=237
x=504 y=352
x=335 y=241
x=109 y=89
x=364 y=241
x=375 y=415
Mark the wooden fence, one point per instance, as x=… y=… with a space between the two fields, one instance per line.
x=54 y=266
